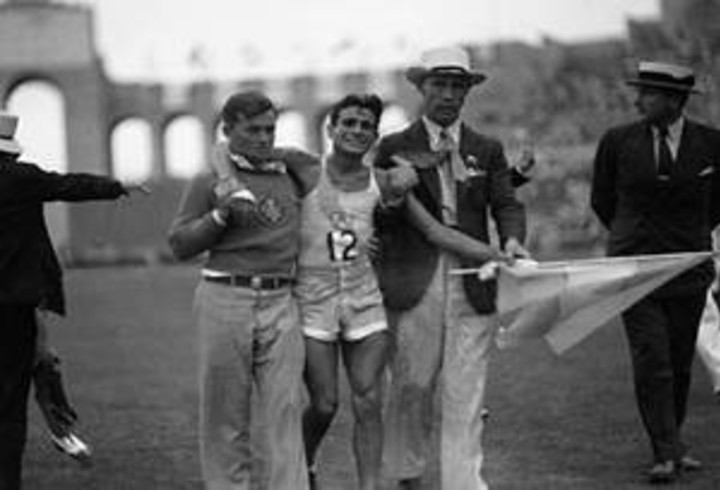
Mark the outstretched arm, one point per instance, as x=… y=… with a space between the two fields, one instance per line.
x=447 y=238
x=395 y=184
x=40 y=185
x=303 y=167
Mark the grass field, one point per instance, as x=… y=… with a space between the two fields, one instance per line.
x=557 y=423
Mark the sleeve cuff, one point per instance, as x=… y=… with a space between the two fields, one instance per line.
x=218 y=218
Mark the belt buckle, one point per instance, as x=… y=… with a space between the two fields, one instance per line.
x=256 y=282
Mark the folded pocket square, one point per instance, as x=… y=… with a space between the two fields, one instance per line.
x=706 y=171
x=476 y=172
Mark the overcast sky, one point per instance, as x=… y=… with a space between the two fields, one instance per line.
x=230 y=37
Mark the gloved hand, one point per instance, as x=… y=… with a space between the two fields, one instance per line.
x=526 y=161
x=401 y=179
x=395 y=182
x=238 y=208
x=514 y=250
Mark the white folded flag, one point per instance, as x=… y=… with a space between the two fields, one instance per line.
x=564 y=302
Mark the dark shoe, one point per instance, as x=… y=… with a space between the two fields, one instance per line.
x=409 y=484
x=74 y=447
x=312 y=479
x=665 y=472
x=688 y=463
x=717 y=396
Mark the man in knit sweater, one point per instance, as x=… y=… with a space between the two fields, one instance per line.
x=248 y=223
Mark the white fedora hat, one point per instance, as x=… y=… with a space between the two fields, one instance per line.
x=448 y=61
x=665 y=76
x=8 y=125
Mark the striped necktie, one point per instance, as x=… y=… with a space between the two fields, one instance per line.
x=450 y=156
x=446 y=147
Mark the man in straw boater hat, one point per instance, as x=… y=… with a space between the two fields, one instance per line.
x=30 y=278
x=442 y=323
x=656 y=188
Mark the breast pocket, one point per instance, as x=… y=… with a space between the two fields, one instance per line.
x=701 y=178
x=703 y=183
x=706 y=172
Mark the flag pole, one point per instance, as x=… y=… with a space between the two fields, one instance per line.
x=591 y=261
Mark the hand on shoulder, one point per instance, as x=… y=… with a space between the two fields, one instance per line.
x=294 y=157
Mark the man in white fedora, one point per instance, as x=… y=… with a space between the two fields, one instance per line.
x=656 y=188
x=443 y=324
x=30 y=278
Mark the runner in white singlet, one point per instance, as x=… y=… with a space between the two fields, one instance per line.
x=340 y=304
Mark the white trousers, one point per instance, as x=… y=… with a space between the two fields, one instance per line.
x=249 y=340
x=441 y=343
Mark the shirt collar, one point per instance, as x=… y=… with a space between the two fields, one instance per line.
x=268 y=167
x=674 y=130
x=434 y=129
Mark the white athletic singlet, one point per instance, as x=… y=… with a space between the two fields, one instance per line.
x=336 y=225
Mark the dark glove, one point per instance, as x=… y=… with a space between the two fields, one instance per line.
x=238 y=209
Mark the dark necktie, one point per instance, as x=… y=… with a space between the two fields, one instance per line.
x=445 y=146
x=665 y=158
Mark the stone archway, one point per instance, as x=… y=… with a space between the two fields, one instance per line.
x=394 y=118
x=184 y=147
x=131 y=150
x=291 y=130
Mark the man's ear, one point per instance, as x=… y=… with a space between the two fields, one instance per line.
x=330 y=130
x=225 y=128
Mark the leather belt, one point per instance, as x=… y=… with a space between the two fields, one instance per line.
x=252 y=282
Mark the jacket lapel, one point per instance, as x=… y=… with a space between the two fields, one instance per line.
x=419 y=139
x=689 y=159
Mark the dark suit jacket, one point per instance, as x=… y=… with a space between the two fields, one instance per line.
x=645 y=214
x=30 y=273
x=406 y=260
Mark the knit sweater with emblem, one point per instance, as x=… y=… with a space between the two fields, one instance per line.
x=263 y=243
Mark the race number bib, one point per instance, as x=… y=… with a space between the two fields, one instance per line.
x=342 y=245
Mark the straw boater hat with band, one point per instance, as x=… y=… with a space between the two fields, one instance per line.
x=8 y=125
x=664 y=76
x=446 y=61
